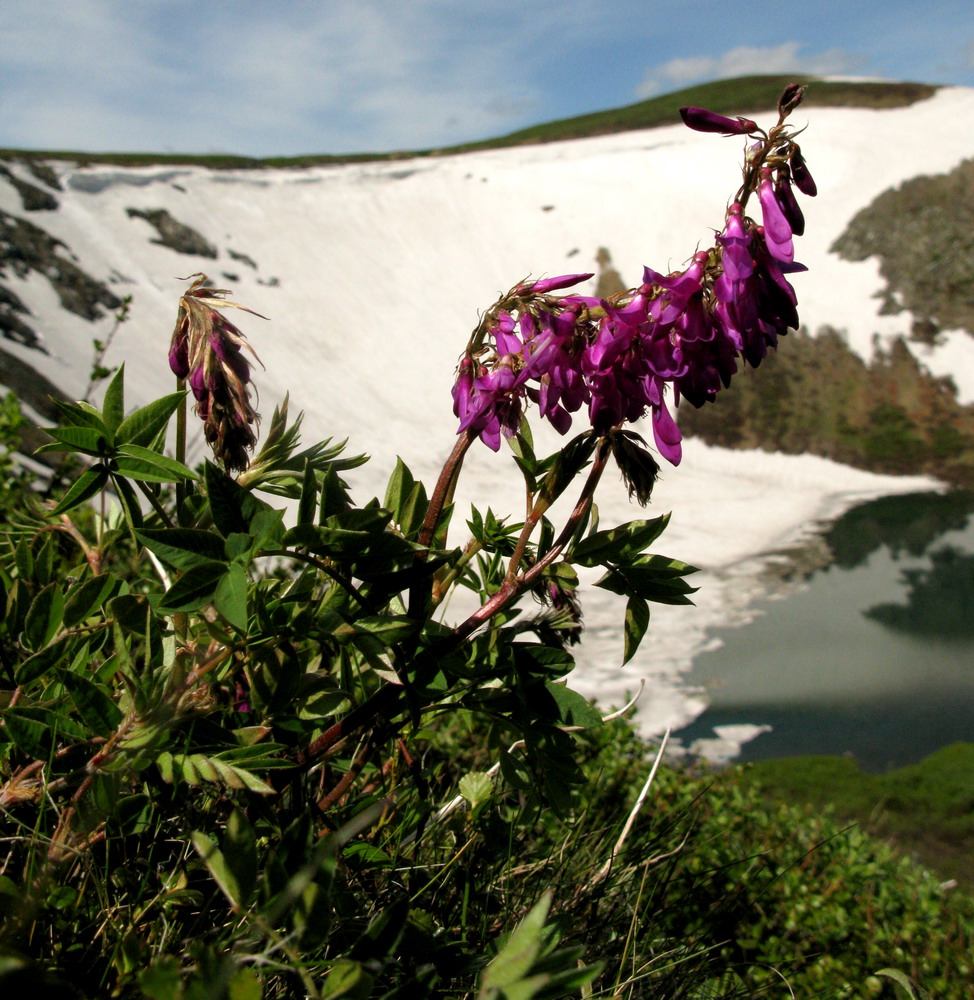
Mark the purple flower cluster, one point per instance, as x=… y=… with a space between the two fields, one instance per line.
x=206 y=349
x=614 y=358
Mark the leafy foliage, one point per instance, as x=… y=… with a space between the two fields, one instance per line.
x=820 y=397
x=214 y=711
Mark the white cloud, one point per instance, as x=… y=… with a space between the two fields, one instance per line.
x=744 y=61
x=247 y=77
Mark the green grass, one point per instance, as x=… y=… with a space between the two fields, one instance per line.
x=746 y=93
x=925 y=810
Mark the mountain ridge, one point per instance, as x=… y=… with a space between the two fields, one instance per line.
x=729 y=96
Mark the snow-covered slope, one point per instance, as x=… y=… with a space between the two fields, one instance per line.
x=372 y=276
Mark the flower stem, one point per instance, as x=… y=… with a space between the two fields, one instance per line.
x=180 y=445
x=514 y=586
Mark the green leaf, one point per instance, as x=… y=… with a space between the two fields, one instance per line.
x=240 y=852
x=44 y=560
x=129 y=611
x=621 y=544
x=401 y=483
x=216 y=862
x=509 y=971
x=476 y=787
x=573 y=709
x=367 y=855
x=176 y=470
x=142 y=426
x=81 y=415
x=86 y=440
x=142 y=472
x=388 y=629
x=129 y=502
x=245 y=985
x=654 y=578
x=233 y=508
x=46 y=659
x=194 y=588
x=913 y=990
x=536 y=659
x=334 y=496
x=162 y=981
x=44 y=617
x=87 y=597
x=347 y=979
x=183 y=548
x=308 y=503
x=231 y=596
x=636 y=623
x=30 y=730
x=24 y=559
x=113 y=405
x=335 y=543
x=149 y=466
x=96 y=709
x=523 y=447
x=567 y=464
x=90 y=482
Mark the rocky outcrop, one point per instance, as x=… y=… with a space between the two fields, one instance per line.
x=174 y=234
x=25 y=247
x=33 y=198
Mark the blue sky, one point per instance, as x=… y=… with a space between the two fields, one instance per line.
x=331 y=76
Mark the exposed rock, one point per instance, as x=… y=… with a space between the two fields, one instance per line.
x=174 y=234
x=243 y=259
x=44 y=173
x=25 y=247
x=34 y=199
x=29 y=385
x=12 y=327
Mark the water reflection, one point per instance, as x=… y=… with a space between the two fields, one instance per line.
x=940 y=600
x=874 y=657
x=909 y=524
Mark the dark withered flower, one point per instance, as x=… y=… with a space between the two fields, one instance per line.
x=207 y=350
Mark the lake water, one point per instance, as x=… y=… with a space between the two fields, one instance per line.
x=873 y=656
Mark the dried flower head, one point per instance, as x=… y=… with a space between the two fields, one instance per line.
x=206 y=349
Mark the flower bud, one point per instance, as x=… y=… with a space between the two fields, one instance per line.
x=790 y=98
x=789 y=204
x=545 y=285
x=179 y=354
x=701 y=120
x=799 y=172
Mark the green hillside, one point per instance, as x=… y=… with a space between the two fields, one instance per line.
x=745 y=93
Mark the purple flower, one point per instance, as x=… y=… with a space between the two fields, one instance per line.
x=665 y=431
x=701 y=120
x=788 y=202
x=486 y=404
x=545 y=285
x=179 y=353
x=616 y=356
x=777 y=229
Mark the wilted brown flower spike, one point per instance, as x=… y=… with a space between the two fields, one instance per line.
x=206 y=350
